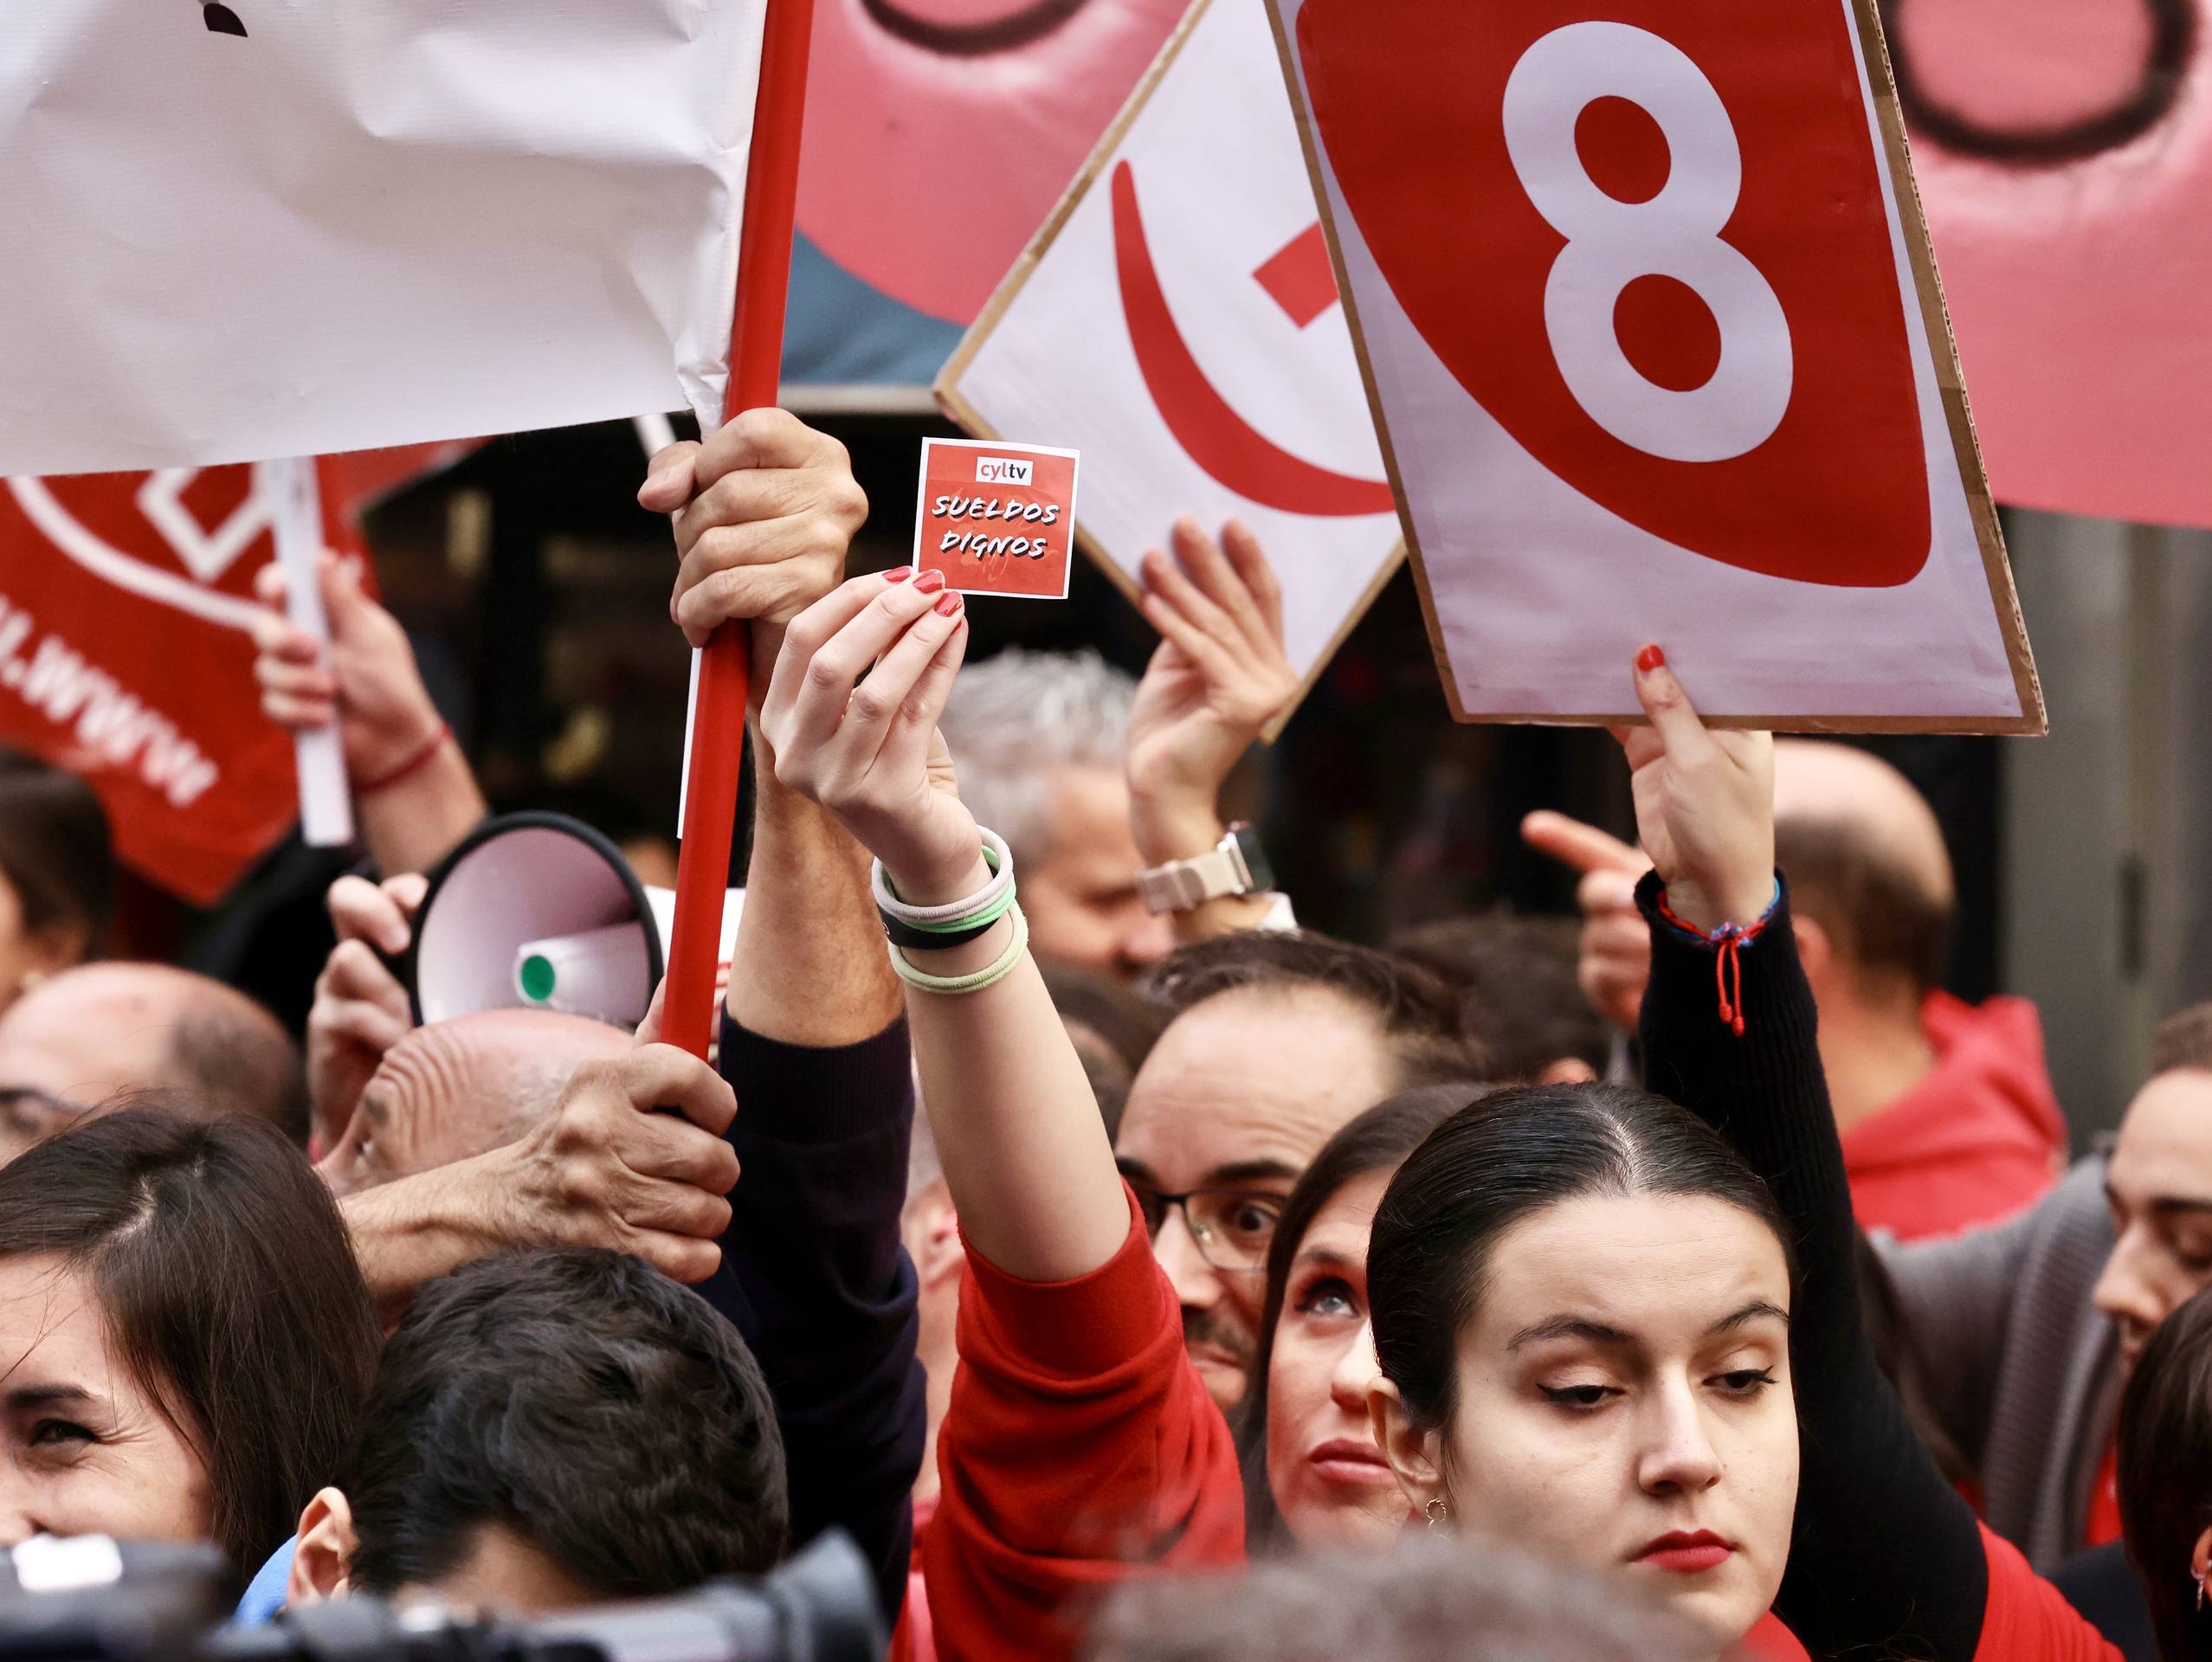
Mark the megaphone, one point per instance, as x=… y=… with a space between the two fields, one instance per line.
x=539 y=911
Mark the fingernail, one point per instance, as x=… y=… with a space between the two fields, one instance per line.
x=1651 y=658
x=666 y=476
x=899 y=574
x=949 y=605
x=930 y=581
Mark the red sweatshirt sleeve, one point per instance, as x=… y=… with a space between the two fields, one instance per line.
x=2029 y=1620
x=1080 y=1444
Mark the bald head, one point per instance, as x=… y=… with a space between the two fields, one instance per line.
x=457 y=1089
x=1866 y=861
x=107 y=1030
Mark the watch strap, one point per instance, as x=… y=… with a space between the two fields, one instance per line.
x=1186 y=884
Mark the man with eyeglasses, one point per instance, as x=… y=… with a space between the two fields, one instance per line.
x=1278 y=1040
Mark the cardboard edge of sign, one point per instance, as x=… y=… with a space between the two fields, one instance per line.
x=963 y=414
x=2033 y=720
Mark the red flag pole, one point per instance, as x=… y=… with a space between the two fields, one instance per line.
x=756 y=370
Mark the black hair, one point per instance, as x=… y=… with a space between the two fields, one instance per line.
x=2165 y=1473
x=54 y=848
x=614 y=1420
x=228 y=1287
x=1501 y=1160
x=1516 y=975
x=1419 y=1014
x=1377 y=1140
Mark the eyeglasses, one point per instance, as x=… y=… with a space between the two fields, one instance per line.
x=30 y=1112
x=1232 y=1226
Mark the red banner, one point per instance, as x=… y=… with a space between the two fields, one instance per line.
x=126 y=652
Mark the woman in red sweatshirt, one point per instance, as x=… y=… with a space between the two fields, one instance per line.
x=1079 y=1442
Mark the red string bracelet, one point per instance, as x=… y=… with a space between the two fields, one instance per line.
x=415 y=764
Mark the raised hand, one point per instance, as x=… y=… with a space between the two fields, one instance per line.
x=1615 y=949
x=1705 y=803
x=863 y=741
x=1219 y=677
x=763 y=510
x=360 y=1010
x=367 y=683
x=632 y=1159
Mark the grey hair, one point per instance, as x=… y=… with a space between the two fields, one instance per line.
x=1018 y=715
x=1428 y=1599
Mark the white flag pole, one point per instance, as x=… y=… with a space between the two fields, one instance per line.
x=655 y=433
x=295 y=498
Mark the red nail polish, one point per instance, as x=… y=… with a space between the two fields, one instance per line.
x=1649 y=658
x=930 y=581
x=899 y=574
x=949 y=605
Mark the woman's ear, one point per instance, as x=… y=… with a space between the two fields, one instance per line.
x=2200 y=1562
x=322 y=1554
x=1415 y=1455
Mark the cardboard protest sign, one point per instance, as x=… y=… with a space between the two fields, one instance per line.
x=345 y=227
x=1656 y=347
x=2064 y=153
x=1177 y=318
x=996 y=518
x=125 y=605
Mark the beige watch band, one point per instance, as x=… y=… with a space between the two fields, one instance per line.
x=1186 y=884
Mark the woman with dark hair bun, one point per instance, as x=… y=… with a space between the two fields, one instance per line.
x=185 y=1340
x=1585 y=1314
x=57 y=872
x=1582 y=1301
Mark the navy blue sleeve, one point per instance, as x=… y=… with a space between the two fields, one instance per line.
x=815 y=1275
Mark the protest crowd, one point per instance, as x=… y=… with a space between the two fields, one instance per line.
x=1125 y=1279
x=1055 y=1247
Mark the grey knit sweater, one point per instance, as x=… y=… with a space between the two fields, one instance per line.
x=2023 y=1371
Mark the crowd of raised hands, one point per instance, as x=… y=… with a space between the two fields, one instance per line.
x=1334 y=1280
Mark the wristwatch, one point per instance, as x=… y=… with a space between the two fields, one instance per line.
x=1237 y=865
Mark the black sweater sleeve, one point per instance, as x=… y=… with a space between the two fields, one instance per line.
x=1887 y=1560
x=815 y=1275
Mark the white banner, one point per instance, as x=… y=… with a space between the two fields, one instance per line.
x=281 y=228
x=1178 y=323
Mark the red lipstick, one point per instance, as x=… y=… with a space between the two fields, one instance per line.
x=1686 y=1553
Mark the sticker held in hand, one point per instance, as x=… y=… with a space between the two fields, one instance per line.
x=996 y=518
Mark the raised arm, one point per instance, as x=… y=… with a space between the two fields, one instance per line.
x=412 y=789
x=1219 y=677
x=1024 y=1152
x=1887 y=1558
x=812 y=1273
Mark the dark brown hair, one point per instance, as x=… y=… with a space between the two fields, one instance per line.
x=2184 y=1040
x=1509 y=1156
x=54 y=848
x=1377 y=1141
x=2165 y=1473
x=229 y=1289
x=1882 y=920
x=1419 y=1014
x=1516 y=978
x=613 y=1420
